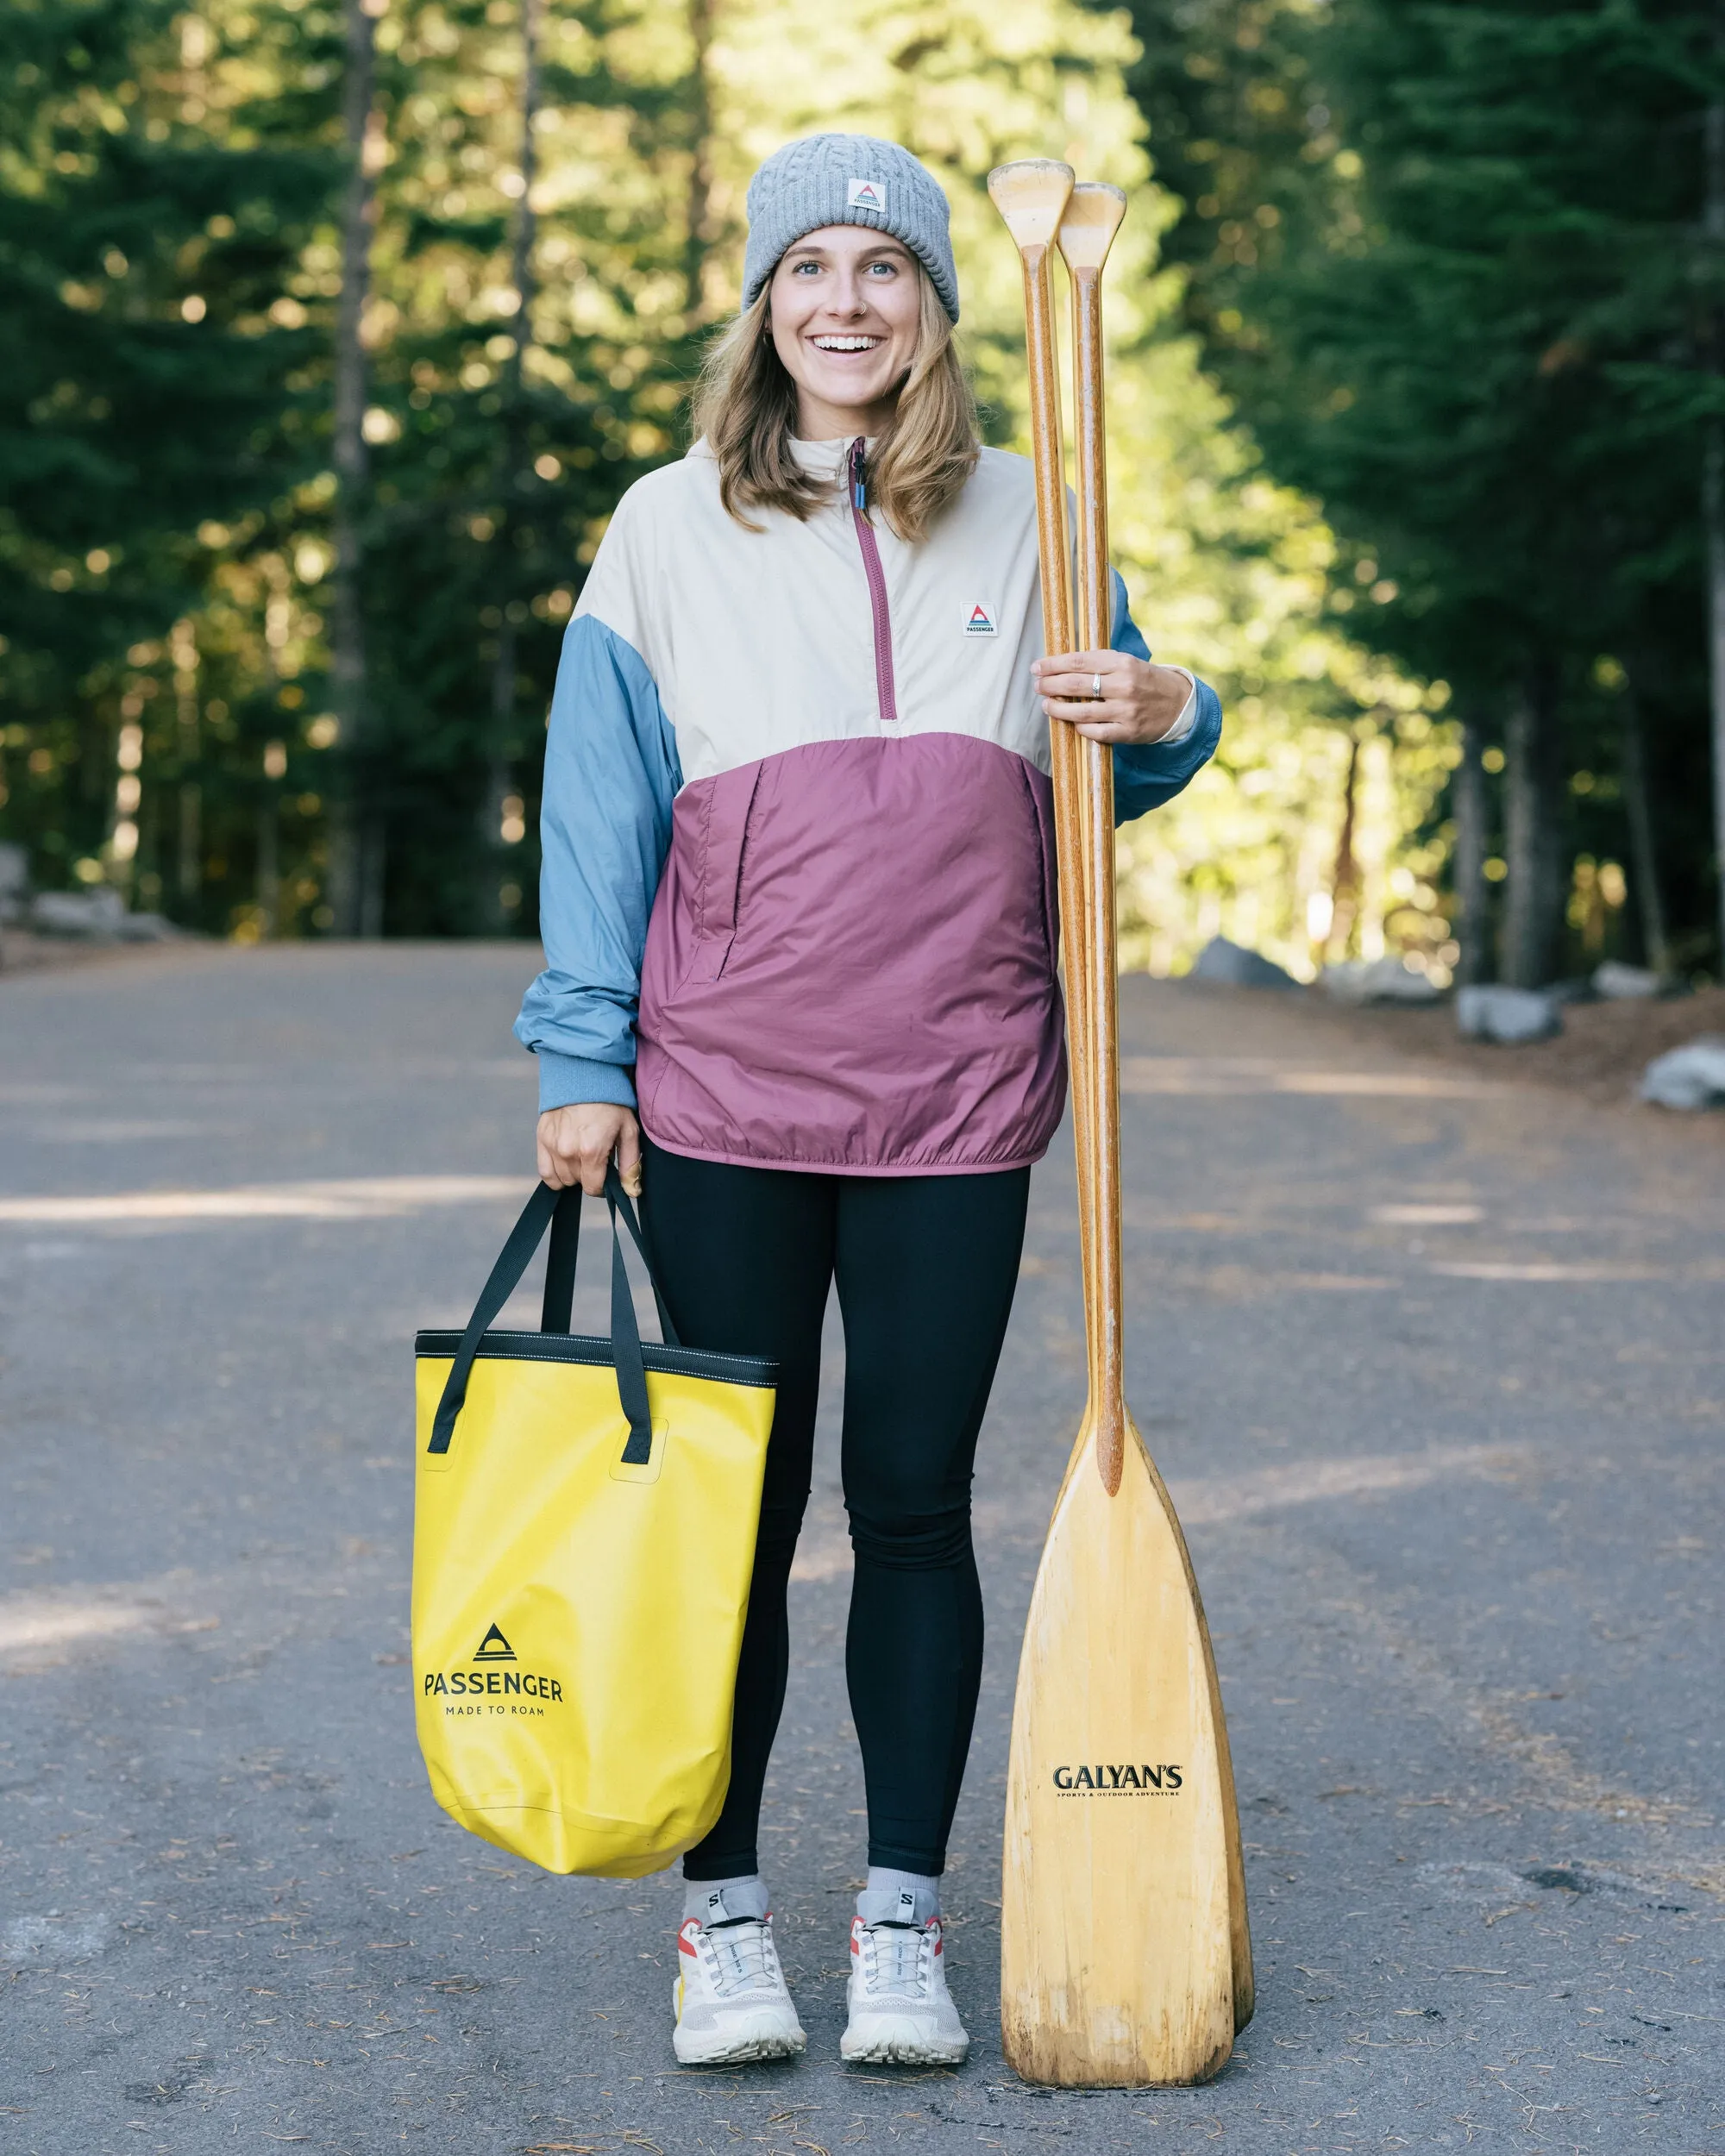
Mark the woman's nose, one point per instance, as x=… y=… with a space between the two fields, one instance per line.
x=848 y=297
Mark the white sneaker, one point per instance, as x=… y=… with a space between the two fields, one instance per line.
x=731 y=1999
x=901 y=2013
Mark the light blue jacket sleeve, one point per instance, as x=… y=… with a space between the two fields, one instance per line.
x=1149 y=772
x=604 y=828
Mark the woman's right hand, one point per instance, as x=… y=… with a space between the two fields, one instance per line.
x=578 y=1144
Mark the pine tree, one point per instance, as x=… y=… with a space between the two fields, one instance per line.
x=318 y=659
x=1462 y=311
x=140 y=395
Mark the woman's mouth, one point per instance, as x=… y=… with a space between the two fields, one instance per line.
x=845 y=344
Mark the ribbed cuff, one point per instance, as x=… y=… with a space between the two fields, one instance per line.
x=567 y=1081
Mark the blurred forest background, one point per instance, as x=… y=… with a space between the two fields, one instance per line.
x=330 y=335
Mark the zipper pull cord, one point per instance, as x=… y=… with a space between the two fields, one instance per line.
x=877 y=587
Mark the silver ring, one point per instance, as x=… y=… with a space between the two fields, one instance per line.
x=1097 y=688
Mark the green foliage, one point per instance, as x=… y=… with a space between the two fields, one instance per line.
x=140 y=379
x=1448 y=259
x=169 y=266
x=168 y=717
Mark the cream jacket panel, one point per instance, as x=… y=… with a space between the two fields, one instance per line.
x=703 y=602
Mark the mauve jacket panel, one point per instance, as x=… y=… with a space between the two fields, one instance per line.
x=850 y=962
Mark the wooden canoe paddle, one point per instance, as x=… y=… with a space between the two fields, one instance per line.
x=1092 y=215
x=1124 y=1959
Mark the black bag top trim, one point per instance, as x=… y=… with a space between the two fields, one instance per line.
x=576 y=1347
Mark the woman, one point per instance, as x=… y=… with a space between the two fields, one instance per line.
x=799 y=880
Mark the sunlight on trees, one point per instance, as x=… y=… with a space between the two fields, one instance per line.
x=553 y=225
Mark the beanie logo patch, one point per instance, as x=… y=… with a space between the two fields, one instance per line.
x=866 y=194
x=982 y=619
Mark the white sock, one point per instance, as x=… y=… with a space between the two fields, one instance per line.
x=884 y=1896
x=720 y=1901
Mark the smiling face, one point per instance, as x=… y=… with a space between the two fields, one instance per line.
x=846 y=304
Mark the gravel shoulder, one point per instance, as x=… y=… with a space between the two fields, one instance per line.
x=1599 y=1055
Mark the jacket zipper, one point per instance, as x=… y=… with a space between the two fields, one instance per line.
x=877 y=587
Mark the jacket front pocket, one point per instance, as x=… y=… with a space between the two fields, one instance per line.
x=1038 y=793
x=724 y=827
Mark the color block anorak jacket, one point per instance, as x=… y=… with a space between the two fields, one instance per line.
x=798 y=833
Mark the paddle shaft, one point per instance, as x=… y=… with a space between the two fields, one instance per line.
x=1092 y=955
x=1067 y=749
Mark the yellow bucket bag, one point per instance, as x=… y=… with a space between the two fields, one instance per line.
x=585 y=1516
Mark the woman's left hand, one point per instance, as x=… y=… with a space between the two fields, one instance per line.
x=1139 y=701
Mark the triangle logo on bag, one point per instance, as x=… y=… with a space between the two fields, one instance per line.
x=493 y=1648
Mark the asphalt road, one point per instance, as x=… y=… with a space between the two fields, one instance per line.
x=1437 y=1372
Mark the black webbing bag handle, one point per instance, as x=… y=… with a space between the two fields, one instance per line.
x=626 y=1333
x=555 y=1309
x=559 y=1298
x=561 y=1210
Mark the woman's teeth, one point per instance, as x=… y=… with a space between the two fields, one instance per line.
x=845 y=344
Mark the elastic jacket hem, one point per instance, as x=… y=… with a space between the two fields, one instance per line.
x=877 y=1169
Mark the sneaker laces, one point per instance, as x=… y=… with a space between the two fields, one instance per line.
x=743 y=1958
x=899 y=1956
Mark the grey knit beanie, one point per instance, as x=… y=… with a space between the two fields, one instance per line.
x=847 y=179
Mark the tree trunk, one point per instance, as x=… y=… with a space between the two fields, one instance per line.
x=1713 y=490
x=696 y=236
x=1713 y=504
x=189 y=862
x=493 y=913
x=1532 y=931
x=1472 y=922
x=1644 y=862
x=521 y=256
x=1345 y=884
x=269 y=863
x=499 y=783
x=355 y=837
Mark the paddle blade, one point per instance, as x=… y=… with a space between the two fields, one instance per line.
x=1118 y=1935
x=1031 y=195
x=1089 y=222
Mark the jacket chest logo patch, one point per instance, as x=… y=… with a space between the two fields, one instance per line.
x=866 y=194
x=982 y=619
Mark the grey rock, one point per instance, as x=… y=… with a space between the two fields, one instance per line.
x=97 y=916
x=92 y=913
x=1507 y=1015
x=148 y=928
x=15 y=881
x=1238 y=968
x=1387 y=980
x=1625 y=984
x=1693 y=1076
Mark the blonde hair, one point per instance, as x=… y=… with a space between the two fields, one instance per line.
x=745 y=406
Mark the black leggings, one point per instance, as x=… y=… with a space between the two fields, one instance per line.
x=925 y=1266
